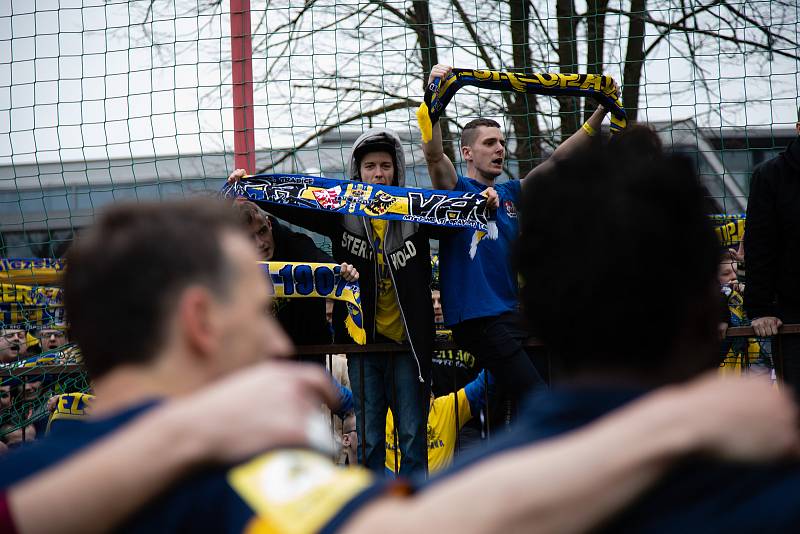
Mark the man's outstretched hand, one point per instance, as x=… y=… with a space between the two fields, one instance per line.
x=236 y=175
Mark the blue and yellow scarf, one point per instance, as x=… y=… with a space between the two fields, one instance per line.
x=321 y=280
x=426 y=206
x=596 y=86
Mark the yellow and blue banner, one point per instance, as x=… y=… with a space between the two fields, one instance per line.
x=31 y=271
x=28 y=307
x=729 y=229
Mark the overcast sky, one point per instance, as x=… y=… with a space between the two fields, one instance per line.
x=83 y=79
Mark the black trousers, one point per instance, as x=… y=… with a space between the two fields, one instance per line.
x=498 y=345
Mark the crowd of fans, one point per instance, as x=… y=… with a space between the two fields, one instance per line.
x=407 y=412
x=24 y=398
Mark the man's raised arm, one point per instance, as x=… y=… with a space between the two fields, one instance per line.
x=440 y=168
x=573 y=146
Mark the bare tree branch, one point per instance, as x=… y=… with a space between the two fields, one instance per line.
x=405 y=19
x=422 y=24
x=567 y=63
x=634 y=58
x=663 y=33
x=462 y=15
x=728 y=38
x=543 y=28
x=595 y=45
x=362 y=115
x=771 y=36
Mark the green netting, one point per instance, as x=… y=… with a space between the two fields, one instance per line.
x=103 y=101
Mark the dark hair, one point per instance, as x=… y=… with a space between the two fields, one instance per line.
x=247 y=212
x=636 y=143
x=125 y=272
x=470 y=131
x=619 y=315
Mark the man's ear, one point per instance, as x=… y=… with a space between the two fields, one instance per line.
x=466 y=152
x=195 y=313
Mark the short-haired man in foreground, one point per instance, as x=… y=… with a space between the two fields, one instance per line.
x=188 y=281
x=616 y=356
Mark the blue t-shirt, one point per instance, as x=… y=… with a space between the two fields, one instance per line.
x=486 y=285
x=698 y=495
x=221 y=499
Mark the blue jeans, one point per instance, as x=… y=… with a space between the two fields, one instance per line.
x=390 y=380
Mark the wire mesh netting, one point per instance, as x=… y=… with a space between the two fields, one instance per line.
x=105 y=101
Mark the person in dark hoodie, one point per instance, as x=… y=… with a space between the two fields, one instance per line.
x=305 y=319
x=631 y=227
x=393 y=261
x=772 y=253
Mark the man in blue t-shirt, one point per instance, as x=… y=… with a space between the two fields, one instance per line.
x=479 y=295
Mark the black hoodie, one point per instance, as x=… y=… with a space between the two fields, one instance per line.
x=303 y=319
x=772 y=237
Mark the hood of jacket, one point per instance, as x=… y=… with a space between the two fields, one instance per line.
x=380 y=135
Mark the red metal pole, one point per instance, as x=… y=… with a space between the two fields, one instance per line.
x=244 y=144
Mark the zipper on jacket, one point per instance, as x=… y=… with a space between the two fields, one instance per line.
x=376 y=276
x=388 y=263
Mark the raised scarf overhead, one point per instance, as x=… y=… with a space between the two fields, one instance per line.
x=31 y=271
x=426 y=206
x=293 y=279
x=599 y=87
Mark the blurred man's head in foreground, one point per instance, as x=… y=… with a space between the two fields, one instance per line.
x=182 y=276
x=614 y=322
